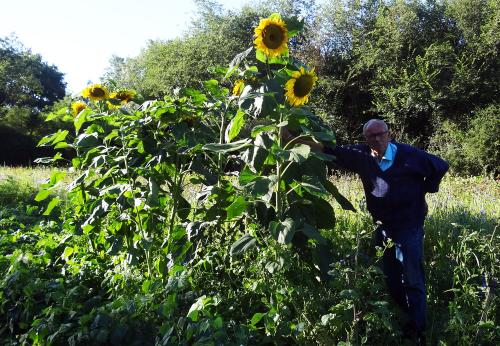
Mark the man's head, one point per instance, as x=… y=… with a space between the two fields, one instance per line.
x=376 y=135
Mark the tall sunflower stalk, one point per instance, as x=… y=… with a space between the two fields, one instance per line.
x=271 y=40
x=281 y=180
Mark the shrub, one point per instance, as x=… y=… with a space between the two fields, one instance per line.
x=474 y=147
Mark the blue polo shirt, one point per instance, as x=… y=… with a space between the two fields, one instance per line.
x=388 y=158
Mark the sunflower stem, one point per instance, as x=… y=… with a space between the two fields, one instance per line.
x=279 y=173
x=221 y=138
x=268 y=69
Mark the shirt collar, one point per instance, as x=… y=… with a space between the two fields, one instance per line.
x=390 y=152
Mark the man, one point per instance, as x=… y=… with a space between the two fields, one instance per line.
x=395 y=179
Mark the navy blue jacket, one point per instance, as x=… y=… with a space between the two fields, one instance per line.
x=396 y=196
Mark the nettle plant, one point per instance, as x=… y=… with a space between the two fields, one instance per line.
x=158 y=177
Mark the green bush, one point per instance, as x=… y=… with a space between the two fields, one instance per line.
x=474 y=147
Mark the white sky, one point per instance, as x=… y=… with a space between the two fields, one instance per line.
x=80 y=36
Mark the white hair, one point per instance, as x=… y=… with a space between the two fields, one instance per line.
x=374 y=121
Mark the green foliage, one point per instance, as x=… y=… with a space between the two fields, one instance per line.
x=414 y=64
x=27 y=86
x=131 y=201
x=54 y=289
x=26 y=80
x=471 y=148
x=190 y=219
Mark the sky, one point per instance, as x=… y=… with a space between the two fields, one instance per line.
x=80 y=36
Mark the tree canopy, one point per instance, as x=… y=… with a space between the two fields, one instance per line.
x=413 y=63
x=28 y=85
x=25 y=79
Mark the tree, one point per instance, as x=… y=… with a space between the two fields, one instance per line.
x=28 y=85
x=25 y=79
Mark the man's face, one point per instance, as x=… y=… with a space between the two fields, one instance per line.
x=377 y=138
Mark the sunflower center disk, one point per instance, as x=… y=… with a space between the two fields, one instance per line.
x=97 y=93
x=303 y=86
x=272 y=36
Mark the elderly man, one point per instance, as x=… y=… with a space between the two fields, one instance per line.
x=395 y=179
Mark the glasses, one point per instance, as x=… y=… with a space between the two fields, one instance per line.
x=373 y=136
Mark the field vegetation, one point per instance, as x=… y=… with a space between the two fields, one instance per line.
x=181 y=215
x=55 y=289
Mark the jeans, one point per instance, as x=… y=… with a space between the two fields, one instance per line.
x=404 y=271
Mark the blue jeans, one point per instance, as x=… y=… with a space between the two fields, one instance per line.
x=404 y=271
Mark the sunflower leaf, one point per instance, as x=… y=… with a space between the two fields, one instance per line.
x=236 y=208
x=243 y=244
x=235 y=126
x=236 y=62
x=277 y=60
x=344 y=202
x=225 y=148
x=313 y=186
x=294 y=26
x=275 y=16
x=262 y=128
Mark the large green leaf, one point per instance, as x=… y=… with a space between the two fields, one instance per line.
x=152 y=197
x=324 y=213
x=42 y=194
x=52 y=204
x=276 y=60
x=256 y=156
x=256 y=318
x=196 y=96
x=87 y=140
x=243 y=244
x=312 y=185
x=317 y=211
x=183 y=208
x=262 y=187
x=293 y=25
x=214 y=88
x=283 y=231
x=229 y=147
x=298 y=153
x=81 y=118
x=235 y=125
x=236 y=62
x=313 y=233
x=262 y=128
x=265 y=102
x=246 y=176
x=344 y=202
x=324 y=136
x=236 y=208
x=57 y=137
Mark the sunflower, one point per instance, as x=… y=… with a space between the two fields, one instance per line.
x=299 y=86
x=238 y=87
x=95 y=92
x=271 y=36
x=124 y=96
x=77 y=107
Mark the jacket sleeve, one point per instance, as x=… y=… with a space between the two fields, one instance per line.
x=435 y=169
x=346 y=156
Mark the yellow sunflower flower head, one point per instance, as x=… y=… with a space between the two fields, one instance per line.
x=95 y=92
x=238 y=87
x=271 y=36
x=124 y=96
x=77 y=107
x=298 y=88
